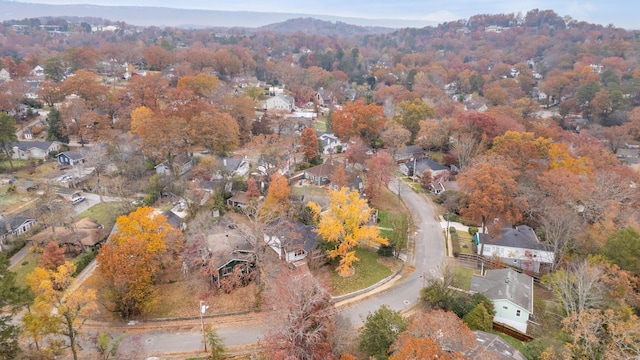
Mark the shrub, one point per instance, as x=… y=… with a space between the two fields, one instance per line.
x=479 y=318
x=455 y=243
x=16 y=246
x=452 y=230
x=385 y=250
x=473 y=230
x=83 y=260
x=25 y=263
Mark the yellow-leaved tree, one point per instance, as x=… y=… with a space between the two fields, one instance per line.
x=133 y=258
x=57 y=309
x=344 y=224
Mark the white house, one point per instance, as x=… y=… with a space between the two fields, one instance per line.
x=279 y=102
x=15 y=225
x=331 y=143
x=290 y=239
x=4 y=75
x=25 y=150
x=37 y=71
x=511 y=294
x=517 y=247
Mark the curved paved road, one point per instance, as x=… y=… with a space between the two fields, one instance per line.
x=428 y=256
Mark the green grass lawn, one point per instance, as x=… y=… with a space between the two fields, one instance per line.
x=30 y=262
x=105 y=213
x=368 y=272
x=321 y=125
x=308 y=190
x=464 y=238
x=462 y=277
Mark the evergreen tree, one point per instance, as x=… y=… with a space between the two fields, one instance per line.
x=56 y=127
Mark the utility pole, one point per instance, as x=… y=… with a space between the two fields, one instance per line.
x=203 y=309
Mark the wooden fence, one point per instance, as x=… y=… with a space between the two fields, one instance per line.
x=476 y=262
x=508 y=330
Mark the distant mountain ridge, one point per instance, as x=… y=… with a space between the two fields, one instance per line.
x=323 y=27
x=158 y=16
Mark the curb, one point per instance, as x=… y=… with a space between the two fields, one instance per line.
x=372 y=288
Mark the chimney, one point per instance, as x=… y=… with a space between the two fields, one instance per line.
x=224 y=162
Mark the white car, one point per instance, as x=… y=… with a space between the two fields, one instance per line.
x=78 y=200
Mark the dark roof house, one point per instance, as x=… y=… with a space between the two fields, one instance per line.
x=291 y=240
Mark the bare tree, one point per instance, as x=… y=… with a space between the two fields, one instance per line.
x=466 y=147
x=558 y=227
x=578 y=287
x=304 y=320
x=96 y=157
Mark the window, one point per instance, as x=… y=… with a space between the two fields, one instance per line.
x=518 y=313
x=299 y=252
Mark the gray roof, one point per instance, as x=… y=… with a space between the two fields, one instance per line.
x=73 y=154
x=495 y=345
x=12 y=223
x=505 y=284
x=173 y=219
x=226 y=244
x=426 y=164
x=522 y=236
x=26 y=145
x=230 y=164
x=293 y=233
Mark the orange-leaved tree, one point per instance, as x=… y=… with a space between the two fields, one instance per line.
x=344 y=226
x=57 y=308
x=309 y=143
x=492 y=193
x=278 y=194
x=357 y=119
x=133 y=258
x=448 y=336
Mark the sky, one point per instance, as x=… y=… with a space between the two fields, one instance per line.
x=621 y=13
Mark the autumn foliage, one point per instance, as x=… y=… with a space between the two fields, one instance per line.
x=356 y=119
x=344 y=226
x=133 y=258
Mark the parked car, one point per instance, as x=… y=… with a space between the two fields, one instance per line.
x=78 y=200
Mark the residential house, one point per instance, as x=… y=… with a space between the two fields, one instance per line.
x=180 y=165
x=511 y=294
x=517 y=247
x=421 y=166
x=175 y=217
x=4 y=75
x=227 y=249
x=324 y=98
x=628 y=155
x=230 y=166
x=37 y=71
x=408 y=153
x=26 y=150
x=14 y=225
x=331 y=144
x=73 y=157
x=85 y=234
x=279 y=102
x=240 y=199
x=290 y=239
x=320 y=175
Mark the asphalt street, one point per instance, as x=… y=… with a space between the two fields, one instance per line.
x=428 y=259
